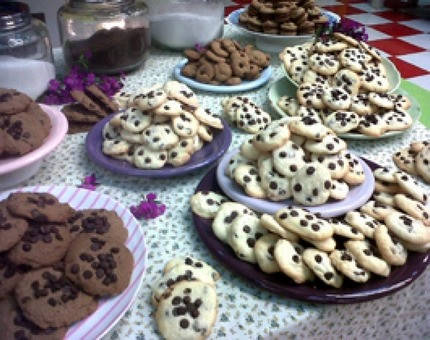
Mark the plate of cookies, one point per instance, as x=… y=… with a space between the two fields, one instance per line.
x=28 y=132
x=289 y=26
x=163 y=132
x=75 y=261
x=363 y=255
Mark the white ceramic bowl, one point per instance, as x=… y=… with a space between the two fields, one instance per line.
x=14 y=170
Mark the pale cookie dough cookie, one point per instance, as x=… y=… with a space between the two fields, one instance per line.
x=265 y=253
x=289 y=105
x=348 y=81
x=411 y=187
x=117 y=146
x=159 y=137
x=311 y=95
x=276 y=185
x=133 y=138
x=356 y=174
x=304 y=223
x=234 y=162
x=309 y=128
x=187 y=311
x=207 y=117
x=342 y=228
x=327 y=245
x=364 y=223
x=311 y=76
x=134 y=120
x=417 y=146
x=225 y=216
x=387 y=187
x=181 y=152
x=319 y=262
x=337 y=164
x=373 y=79
x=384 y=198
x=339 y=189
x=407 y=228
x=352 y=59
x=206 y=203
x=297 y=69
x=150 y=100
x=342 y=121
x=361 y=105
x=181 y=92
x=193 y=263
x=336 y=98
x=382 y=100
x=244 y=233
x=252 y=119
x=365 y=256
x=397 y=120
x=373 y=125
x=288 y=255
x=325 y=64
x=146 y=158
x=376 y=209
x=110 y=131
x=420 y=248
x=385 y=174
x=330 y=144
x=405 y=160
x=249 y=179
x=273 y=136
x=205 y=132
x=413 y=208
x=345 y=262
x=169 y=108
x=392 y=251
x=185 y=125
x=326 y=46
x=400 y=101
x=269 y=222
x=306 y=111
x=248 y=149
x=311 y=185
x=423 y=163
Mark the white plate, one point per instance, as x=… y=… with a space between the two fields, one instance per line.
x=110 y=310
x=357 y=196
x=273 y=42
x=245 y=85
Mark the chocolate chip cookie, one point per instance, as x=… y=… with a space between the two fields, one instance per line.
x=10 y=275
x=12 y=101
x=11 y=228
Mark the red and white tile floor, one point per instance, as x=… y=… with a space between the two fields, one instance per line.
x=401 y=35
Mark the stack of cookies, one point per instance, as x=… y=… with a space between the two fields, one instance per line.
x=299 y=158
x=23 y=124
x=415 y=159
x=185 y=298
x=91 y=106
x=344 y=83
x=55 y=262
x=303 y=246
x=300 y=17
x=225 y=62
x=161 y=125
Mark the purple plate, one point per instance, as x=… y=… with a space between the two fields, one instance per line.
x=205 y=156
x=351 y=292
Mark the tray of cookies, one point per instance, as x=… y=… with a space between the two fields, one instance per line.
x=73 y=261
x=368 y=253
x=162 y=132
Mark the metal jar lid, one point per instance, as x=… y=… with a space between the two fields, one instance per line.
x=14 y=15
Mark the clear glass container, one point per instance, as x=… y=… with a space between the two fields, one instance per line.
x=26 y=62
x=112 y=34
x=180 y=24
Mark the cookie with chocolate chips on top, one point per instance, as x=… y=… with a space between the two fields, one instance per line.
x=12 y=101
x=11 y=228
x=10 y=275
x=207 y=203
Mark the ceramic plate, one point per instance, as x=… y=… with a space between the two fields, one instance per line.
x=110 y=310
x=244 y=86
x=357 y=195
x=317 y=292
x=274 y=42
x=283 y=87
x=393 y=75
x=205 y=156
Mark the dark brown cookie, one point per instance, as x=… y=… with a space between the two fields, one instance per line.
x=14 y=325
x=97 y=95
x=42 y=245
x=98 y=265
x=12 y=101
x=10 y=275
x=79 y=127
x=11 y=228
x=38 y=207
x=88 y=103
x=78 y=113
x=99 y=222
x=48 y=299
x=38 y=114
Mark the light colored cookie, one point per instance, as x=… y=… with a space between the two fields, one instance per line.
x=348 y=81
x=413 y=208
x=326 y=46
x=365 y=256
x=423 y=163
x=364 y=223
x=330 y=144
x=407 y=228
x=325 y=64
x=110 y=131
x=342 y=228
x=387 y=187
x=193 y=263
x=185 y=125
x=251 y=119
x=352 y=59
x=159 y=137
x=248 y=150
x=134 y=120
x=336 y=98
x=345 y=262
x=411 y=187
x=288 y=159
x=170 y=107
x=289 y=105
x=319 y=262
x=205 y=116
x=385 y=174
x=147 y=158
x=400 y=101
x=384 y=198
x=265 y=253
x=275 y=185
x=339 y=189
x=248 y=177
x=269 y=222
x=181 y=92
x=405 y=160
x=115 y=146
x=309 y=128
x=207 y=203
x=337 y=164
x=133 y=138
x=376 y=209
x=417 y=146
x=397 y=120
x=273 y=136
x=382 y=100
x=205 y=132
x=297 y=70
x=150 y=99
x=372 y=125
x=361 y=105
x=309 y=94
x=356 y=174
x=392 y=251
x=342 y=121
x=327 y=245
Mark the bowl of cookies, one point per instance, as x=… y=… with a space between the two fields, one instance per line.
x=163 y=132
x=28 y=132
x=276 y=26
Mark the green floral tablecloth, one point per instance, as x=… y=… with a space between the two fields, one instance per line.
x=245 y=311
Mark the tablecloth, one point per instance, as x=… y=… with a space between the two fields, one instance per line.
x=245 y=311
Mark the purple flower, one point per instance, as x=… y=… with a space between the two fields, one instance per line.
x=199 y=47
x=148 y=208
x=90 y=182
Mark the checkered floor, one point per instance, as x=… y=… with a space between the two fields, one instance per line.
x=401 y=35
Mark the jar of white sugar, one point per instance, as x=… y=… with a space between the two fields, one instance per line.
x=26 y=62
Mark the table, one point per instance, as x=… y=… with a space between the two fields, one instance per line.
x=245 y=311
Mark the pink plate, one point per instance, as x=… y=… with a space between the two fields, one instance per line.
x=109 y=311
x=55 y=137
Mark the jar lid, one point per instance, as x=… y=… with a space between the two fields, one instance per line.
x=14 y=15
x=101 y=2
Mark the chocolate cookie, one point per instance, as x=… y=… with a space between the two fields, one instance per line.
x=14 y=325
x=11 y=228
x=99 y=97
x=10 y=275
x=42 y=245
x=88 y=103
x=43 y=119
x=12 y=101
x=78 y=113
x=99 y=266
x=48 y=299
x=38 y=207
x=99 y=222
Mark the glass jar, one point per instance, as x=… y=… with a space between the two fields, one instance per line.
x=26 y=62
x=113 y=35
x=180 y=24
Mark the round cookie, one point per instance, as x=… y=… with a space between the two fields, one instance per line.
x=10 y=275
x=385 y=174
x=356 y=174
x=112 y=129
x=364 y=223
x=345 y=262
x=248 y=177
x=413 y=208
x=311 y=185
x=327 y=46
x=342 y=121
x=310 y=76
x=187 y=311
x=115 y=147
x=329 y=145
x=319 y=262
x=391 y=249
x=273 y=136
x=309 y=128
x=342 y=228
x=348 y=81
x=382 y=100
x=99 y=266
x=170 y=108
x=249 y=151
x=150 y=99
x=234 y=162
x=310 y=112
x=352 y=59
x=185 y=125
x=276 y=185
x=269 y=222
x=181 y=92
x=422 y=163
x=251 y=119
x=373 y=125
x=411 y=187
x=405 y=160
x=289 y=105
x=397 y=120
x=207 y=117
x=365 y=256
x=160 y=137
x=206 y=203
x=336 y=98
x=339 y=189
x=146 y=158
x=376 y=209
x=130 y=137
x=98 y=222
x=325 y=64
x=407 y=228
x=134 y=120
x=311 y=95
x=48 y=299
x=195 y=264
x=11 y=228
x=297 y=70
x=337 y=164
x=12 y=101
x=265 y=253
x=41 y=245
x=361 y=105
